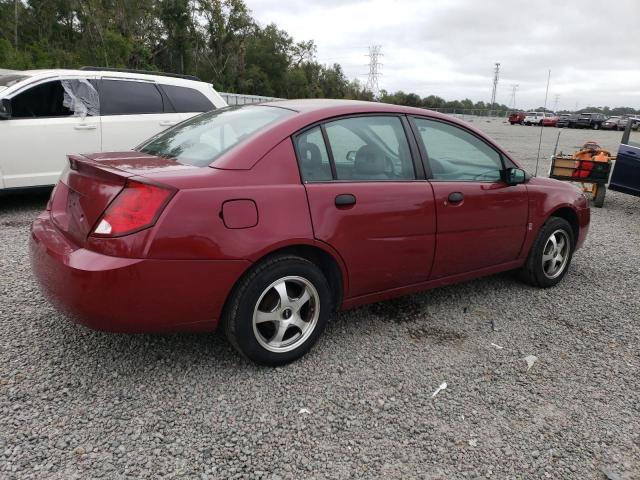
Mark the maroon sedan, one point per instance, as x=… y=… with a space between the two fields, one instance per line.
x=268 y=218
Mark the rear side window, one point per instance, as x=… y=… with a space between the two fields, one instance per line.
x=187 y=100
x=122 y=97
x=370 y=148
x=313 y=156
x=42 y=101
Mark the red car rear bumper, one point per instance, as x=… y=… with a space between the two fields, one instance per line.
x=128 y=294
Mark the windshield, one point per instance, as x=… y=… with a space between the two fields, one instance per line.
x=10 y=79
x=202 y=139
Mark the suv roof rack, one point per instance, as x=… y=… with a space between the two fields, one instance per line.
x=142 y=72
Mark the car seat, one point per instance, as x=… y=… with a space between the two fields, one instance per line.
x=311 y=163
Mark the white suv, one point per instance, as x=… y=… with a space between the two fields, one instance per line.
x=535 y=118
x=47 y=114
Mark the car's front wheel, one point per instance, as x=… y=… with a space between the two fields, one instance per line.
x=278 y=311
x=550 y=254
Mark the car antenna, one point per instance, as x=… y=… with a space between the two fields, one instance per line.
x=546 y=95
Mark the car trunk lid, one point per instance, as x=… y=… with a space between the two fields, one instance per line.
x=91 y=182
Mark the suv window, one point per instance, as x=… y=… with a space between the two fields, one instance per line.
x=313 y=156
x=44 y=100
x=455 y=154
x=373 y=148
x=123 y=97
x=187 y=100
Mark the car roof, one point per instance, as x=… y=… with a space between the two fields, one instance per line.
x=44 y=73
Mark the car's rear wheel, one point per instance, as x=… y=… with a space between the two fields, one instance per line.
x=550 y=254
x=596 y=126
x=278 y=311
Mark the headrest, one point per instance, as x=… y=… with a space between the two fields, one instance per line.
x=310 y=154
x=369 y=160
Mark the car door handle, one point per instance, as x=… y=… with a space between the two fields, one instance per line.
x=345 y=199
x=456 y=197
x=85 y=127
x=167 y=124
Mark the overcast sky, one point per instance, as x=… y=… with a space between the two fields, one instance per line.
x=449 y=47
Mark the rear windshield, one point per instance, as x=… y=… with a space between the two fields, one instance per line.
x=10 y=79
x=202 y=139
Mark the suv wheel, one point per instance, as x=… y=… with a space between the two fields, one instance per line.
x=550 y=254
x=278 y=312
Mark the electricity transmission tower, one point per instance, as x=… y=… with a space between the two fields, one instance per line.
x=555 y=103
x=496 y=75
x=512 y=101
x=375 y=52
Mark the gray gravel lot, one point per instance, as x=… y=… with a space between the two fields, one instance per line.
x=80 y=404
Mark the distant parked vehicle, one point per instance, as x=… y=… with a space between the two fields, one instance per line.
x=567 y=120
x=47 y=114
x=516 y=118
x=550 y=121
x=615 y=123
x=537 y=118
x=533 y=118
x=590 y=120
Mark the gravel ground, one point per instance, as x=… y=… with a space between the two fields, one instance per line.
x=80 y=404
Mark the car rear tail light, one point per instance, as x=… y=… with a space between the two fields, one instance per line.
x=136 y=207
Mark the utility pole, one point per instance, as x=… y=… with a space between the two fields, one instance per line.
x=375 y=52
x=496 y=75
x=512 y=101
x=15 y=25
x=555 y=102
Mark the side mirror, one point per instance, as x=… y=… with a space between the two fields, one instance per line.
x=351 y=156
x=5 y=108
x=514 y=176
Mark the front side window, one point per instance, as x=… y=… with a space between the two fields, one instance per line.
x=202 y=139
x=123 y=97
x=370 y=148
x=41 y=101
x=455 y=154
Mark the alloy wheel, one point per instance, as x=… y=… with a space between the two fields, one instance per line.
x=555 y=254
x=286 y=314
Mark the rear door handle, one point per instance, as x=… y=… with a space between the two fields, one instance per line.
x=345 y=199
x=85 y=127
x=167 y=124
x=456 y=197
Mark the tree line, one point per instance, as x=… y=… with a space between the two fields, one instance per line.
x=216 y=40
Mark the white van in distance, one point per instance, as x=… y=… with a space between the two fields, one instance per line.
x=47 y=114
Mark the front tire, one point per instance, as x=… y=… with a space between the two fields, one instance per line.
x=550 y=254
x=278 y=311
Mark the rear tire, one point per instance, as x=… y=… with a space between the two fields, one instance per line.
x=278 y=311
x=550 y=254
x=596 y=126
